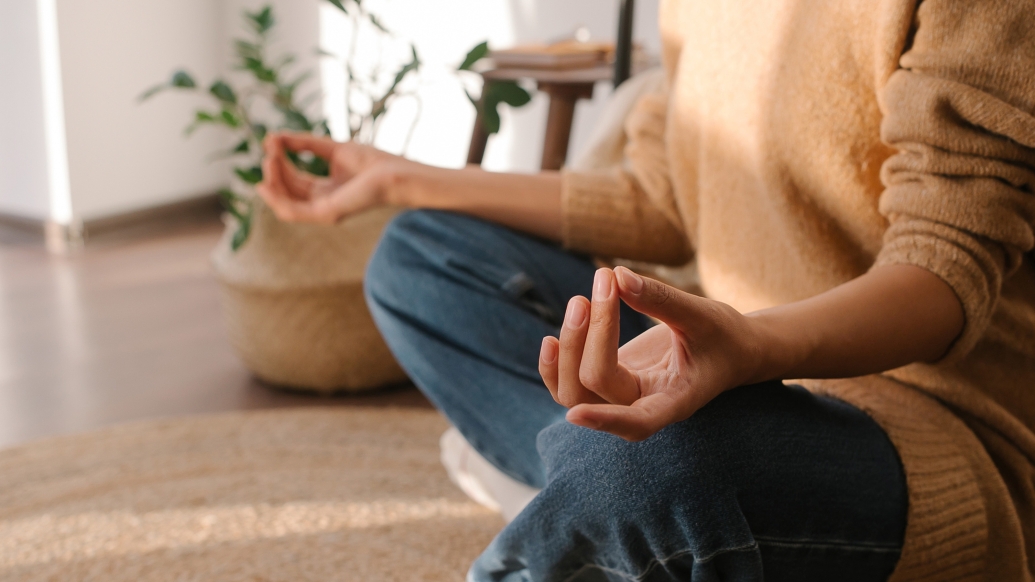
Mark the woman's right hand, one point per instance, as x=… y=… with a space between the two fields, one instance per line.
x=358 y=178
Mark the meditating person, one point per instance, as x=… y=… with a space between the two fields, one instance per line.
x=853 y=396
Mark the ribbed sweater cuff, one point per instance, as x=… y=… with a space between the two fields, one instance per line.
x=968 y=267
x=606 y=214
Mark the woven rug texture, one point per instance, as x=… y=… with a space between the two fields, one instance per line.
x=284 y=495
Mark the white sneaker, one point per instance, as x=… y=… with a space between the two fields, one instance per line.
x=480 y=479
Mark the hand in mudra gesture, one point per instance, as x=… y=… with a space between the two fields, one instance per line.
x=356 y=181
x=664 y=375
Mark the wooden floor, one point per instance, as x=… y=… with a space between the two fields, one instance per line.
x=128 y=328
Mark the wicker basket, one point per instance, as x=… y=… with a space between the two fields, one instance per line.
x=293 y=303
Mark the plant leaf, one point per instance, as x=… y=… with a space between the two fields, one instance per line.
x=179 y=80
x=252 y=175
x=339 y=5
x=247 y=50
x=200 y=118
x=476 y=54
x=152 y=92
x=259 y=70
x=380 y=106
x=509 y=92
x=220 y=90
x=229 y=199
x=244 y=229
x=497 y=92
x=295 y=120
x=490 y=118
x=259 y=131
x=284 y=61
x=413 y=65
x=229 y=118
x=233 y=203
x=261 y=21
x=377 y=23
x=182 y=80
x=243 y=147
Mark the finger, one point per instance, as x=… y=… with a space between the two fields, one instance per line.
x=645 y=417
x=272 y=189
x=656 y=299
x=298 y=184
x=270 y=168
x=277 y=167
x=352 y=197
x=290 y=209
x=548 y=364
x=307 y=142
x=283 y=206
x=599 y=371
x=570 y=390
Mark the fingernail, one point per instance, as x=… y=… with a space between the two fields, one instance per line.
x=601 y=285
x=576 y=314
x=577 y=419
x=632 y=282
x=548 y=353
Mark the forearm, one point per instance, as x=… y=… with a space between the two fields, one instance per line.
x=887 y=318
x=527 y=202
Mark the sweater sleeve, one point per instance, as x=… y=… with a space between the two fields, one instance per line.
x=960 y=191
x=628 y=211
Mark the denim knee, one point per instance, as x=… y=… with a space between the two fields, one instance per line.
x=661 y=509
x=385 y=272
x=632 y=475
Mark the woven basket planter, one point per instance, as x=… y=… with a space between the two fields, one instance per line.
x=293 y=303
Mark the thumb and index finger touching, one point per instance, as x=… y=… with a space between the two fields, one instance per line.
x=306 y=142
x=656 y=299
x=285 y=189
x=649 y=413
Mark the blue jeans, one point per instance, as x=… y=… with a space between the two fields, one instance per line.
x=765 y=482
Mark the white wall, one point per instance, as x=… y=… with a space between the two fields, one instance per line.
x=124 y=156
x=23 y=156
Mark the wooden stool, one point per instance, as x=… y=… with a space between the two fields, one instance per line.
x=565 y=87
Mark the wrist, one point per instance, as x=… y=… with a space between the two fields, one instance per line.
x=779 y=348
x=394 y=178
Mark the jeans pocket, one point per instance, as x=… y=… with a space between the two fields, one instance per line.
x=516 y=285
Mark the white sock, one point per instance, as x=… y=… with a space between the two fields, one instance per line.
x=480 y=479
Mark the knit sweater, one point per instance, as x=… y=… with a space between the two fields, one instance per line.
x=798 y=144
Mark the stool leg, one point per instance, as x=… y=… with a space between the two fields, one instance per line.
x=479 y=139
x=563 y=98
x=558 y=131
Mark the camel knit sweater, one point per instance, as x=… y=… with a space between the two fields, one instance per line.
x=799 y=143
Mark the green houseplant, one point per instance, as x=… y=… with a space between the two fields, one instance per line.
x=274 y=89
x=293 y=295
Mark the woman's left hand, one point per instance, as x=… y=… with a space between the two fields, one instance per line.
x=663 y=376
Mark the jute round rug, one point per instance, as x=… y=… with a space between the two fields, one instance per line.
x=286 y=495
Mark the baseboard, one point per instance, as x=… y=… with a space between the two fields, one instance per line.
x=201 y=206
x=20 y=230
x=61 y=238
